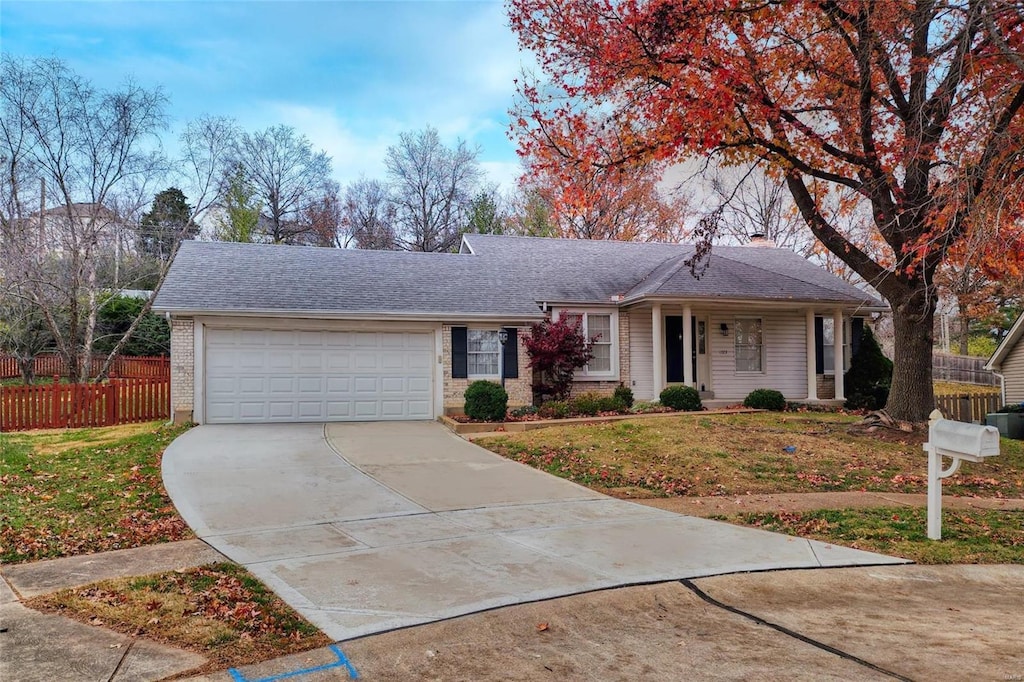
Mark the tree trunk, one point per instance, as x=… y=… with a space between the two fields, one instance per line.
x=912 y=397
x=965 y=329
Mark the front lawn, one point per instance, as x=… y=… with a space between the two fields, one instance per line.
x=749 y=453
x=84 y=490
x=968 y=537
x=219 y=611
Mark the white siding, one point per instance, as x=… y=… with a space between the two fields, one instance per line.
x=785 y=356
x=1013 y=373
x=641 y=355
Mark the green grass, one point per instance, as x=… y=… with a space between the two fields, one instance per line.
x=219 y=610
x=746 y=453
x=968 y=537
x=84 y=490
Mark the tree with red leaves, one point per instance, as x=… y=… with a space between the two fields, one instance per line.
x=557 y=349
x=914 y=105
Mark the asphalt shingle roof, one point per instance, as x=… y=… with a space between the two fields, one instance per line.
x=503 y=277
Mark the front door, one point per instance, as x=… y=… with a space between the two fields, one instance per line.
x=698 y=355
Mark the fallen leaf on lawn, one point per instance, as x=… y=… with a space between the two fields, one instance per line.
x=541 y=627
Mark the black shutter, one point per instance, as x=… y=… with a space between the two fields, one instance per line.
x=857 y=325
x=460 y=355
x=819 y=345
x=510 y=357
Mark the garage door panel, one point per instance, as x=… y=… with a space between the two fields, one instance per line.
x=280 y=361
x=280 y=375
x=250 y=385
x=419 y=385
x=392 y=384
x=337 y=362
x=339 y=385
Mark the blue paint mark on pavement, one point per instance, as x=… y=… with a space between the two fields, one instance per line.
x=342 y=662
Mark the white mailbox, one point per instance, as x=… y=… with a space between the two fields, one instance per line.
x=963 y=441
x=959 y=442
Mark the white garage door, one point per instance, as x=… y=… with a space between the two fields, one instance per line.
x=311 y=376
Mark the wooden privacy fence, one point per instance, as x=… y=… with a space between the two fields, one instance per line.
x=58 y=406
x=967 y=408
x=157 y=367
x=965 y=369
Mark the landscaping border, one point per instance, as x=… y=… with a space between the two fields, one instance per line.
x=466 y=428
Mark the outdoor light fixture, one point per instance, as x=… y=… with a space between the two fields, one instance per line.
x=725 y=329
x=503 y=336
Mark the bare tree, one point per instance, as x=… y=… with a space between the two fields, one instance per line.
x=95 y=151
x=288 y=177
x=206 y=148
x=368 y=216
x=431 y=187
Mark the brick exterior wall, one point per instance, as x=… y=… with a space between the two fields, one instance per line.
x=182 y=369
x=826 y=387
x=520 y=391
x=608 y=387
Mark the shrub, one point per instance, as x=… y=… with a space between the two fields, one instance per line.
x=524 y=411
x=765 y=399
x=624 y=394
x=645 y=407
x=1012 y=408
x=867 y=383
x=554 y=409
x=685 y=398
x=487 y=401
x=610 y=403
x=556 y=350
x=586 y=404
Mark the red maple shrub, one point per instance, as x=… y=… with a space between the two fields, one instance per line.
x=556 y=350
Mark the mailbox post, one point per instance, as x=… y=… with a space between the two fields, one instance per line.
x=959 y=442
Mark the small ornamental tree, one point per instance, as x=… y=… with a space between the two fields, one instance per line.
x=870 y=375
x=556 y=350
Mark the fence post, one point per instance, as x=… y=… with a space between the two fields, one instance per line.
x=110 y=391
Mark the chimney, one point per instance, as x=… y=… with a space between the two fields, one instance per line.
x=758 y=239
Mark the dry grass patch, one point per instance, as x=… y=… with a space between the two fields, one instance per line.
x=219 y=611
x=956 y=388
x=748 y=453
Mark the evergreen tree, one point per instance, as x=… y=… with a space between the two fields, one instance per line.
x=168 y=221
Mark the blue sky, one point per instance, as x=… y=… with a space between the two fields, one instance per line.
x=349 y=75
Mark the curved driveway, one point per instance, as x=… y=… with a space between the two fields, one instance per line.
x=367 y=527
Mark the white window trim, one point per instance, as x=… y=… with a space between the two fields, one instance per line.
x=764 y=344
x=583 y=374
x=470 y=375
x=847 y=346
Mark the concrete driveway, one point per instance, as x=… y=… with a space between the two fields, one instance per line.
x=364 y=528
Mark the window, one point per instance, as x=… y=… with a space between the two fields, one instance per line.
x=483 y=351
x=749 y=345
x=600 y=328
x=828 y=354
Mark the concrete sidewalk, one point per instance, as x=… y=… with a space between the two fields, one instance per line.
x=385 y=525
x=39 y=647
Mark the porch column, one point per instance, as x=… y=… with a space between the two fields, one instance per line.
x=658 y=333
x=837 y=345
x=812 y=361
x=687 y=346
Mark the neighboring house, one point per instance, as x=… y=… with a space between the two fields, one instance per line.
x=1008 y=362
x=282 y=333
